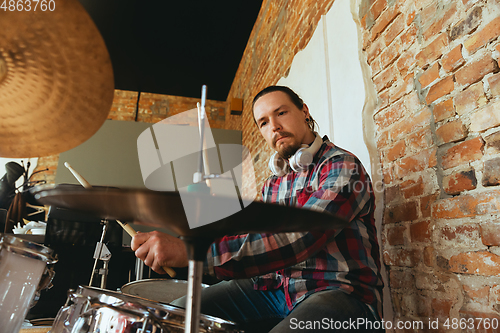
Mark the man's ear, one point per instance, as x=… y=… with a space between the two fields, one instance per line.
x=305 y=109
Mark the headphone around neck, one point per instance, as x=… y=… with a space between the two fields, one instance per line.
x=302 y=158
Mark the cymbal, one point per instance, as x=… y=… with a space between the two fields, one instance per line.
x=165 y=209
x=56 y=79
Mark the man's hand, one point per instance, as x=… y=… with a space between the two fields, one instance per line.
x=159 y=249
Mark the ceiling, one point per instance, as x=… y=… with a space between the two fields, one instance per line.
x=174 y=47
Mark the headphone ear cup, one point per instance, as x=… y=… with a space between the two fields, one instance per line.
x=301 y=160
x=277 y=165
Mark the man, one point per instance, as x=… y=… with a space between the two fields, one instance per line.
x=307 y=281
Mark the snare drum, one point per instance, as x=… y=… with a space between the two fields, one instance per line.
x=92 y=310
x=22 y=264
x=158 y=290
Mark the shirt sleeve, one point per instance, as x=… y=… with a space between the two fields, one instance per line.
x=339 y=191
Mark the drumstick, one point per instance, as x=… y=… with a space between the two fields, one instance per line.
x=125 y=226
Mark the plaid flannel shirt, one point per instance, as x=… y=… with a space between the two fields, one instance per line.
x=306 y=262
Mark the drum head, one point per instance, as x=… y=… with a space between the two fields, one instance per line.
x=157 y=290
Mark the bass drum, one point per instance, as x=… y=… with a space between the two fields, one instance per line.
x=157 y=290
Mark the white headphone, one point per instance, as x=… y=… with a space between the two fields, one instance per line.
x=302 y=158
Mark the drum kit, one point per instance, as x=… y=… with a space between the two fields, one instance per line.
x=56 y=89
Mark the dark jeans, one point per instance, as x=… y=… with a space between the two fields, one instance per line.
x=266 y=311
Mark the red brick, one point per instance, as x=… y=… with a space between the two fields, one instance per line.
x=440 y=89
x=441 y=24
x=467 y=205
x=489 y=233
x=426 y=204
x=390 y=115
x=493 y=141
x=470 y=99
x=377 y=8
x=421 y=232
x=433 y=51
x=483 y=36
x=441 y=308
x=383 y=139
x=395 y=235
x=429 y=256
x=453 y=59
x=385 y=78
x=477 y=295
x=462 y=153
x=396 y=151
x=383 y=99
x=444 y=110
x=494 y=83
x=412 y=102
x=477 y=263
x=410 y=124
x=409 y=37
x=418 y=162
x=401 y=279
x=460 y=233
x=410 y=16
x=406 y=61
x=429 y=76
x=485 y=118
x=451 y=132
x=374 y=50
x=390 y=54
x=397 y=26
x=412 y=188
x=404 y=212
x=392 y=193
x=491 y=173
x=384 y=20
x=401 y=88
x=420 y=140
x=474 y=72
x=468 y=24
x=427 y=13
x=399 y=257
x=388 y=173
x=460 y=181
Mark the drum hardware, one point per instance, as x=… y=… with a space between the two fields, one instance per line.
x=103 y=254
x=92 y=310
x=157 y=290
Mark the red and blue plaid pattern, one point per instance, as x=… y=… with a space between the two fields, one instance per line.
x=306 y=262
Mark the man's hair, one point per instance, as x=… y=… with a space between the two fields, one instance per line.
x=296 y=100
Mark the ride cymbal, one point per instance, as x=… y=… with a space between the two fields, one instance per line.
x=56 y=79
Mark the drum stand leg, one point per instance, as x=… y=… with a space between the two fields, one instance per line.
x=197 y=252
x=101 y=253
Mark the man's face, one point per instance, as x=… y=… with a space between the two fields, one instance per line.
x=281 y=123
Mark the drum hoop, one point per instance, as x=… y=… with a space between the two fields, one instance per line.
x=206 y=321
x=27 y=248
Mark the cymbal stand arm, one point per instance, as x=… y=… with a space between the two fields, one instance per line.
x=199 y=175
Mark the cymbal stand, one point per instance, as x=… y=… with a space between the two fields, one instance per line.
x=101 y=253
x=197 y=248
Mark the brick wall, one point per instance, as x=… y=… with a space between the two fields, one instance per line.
x=434 y=66
x=151 y=109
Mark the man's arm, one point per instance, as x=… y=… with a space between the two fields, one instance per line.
x=343 y=189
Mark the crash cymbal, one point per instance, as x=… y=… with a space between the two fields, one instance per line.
x=56 y=79
x=165 y=210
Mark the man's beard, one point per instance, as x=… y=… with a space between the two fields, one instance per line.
x=286 y=151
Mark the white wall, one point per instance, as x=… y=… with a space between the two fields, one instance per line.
x=327 y=75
